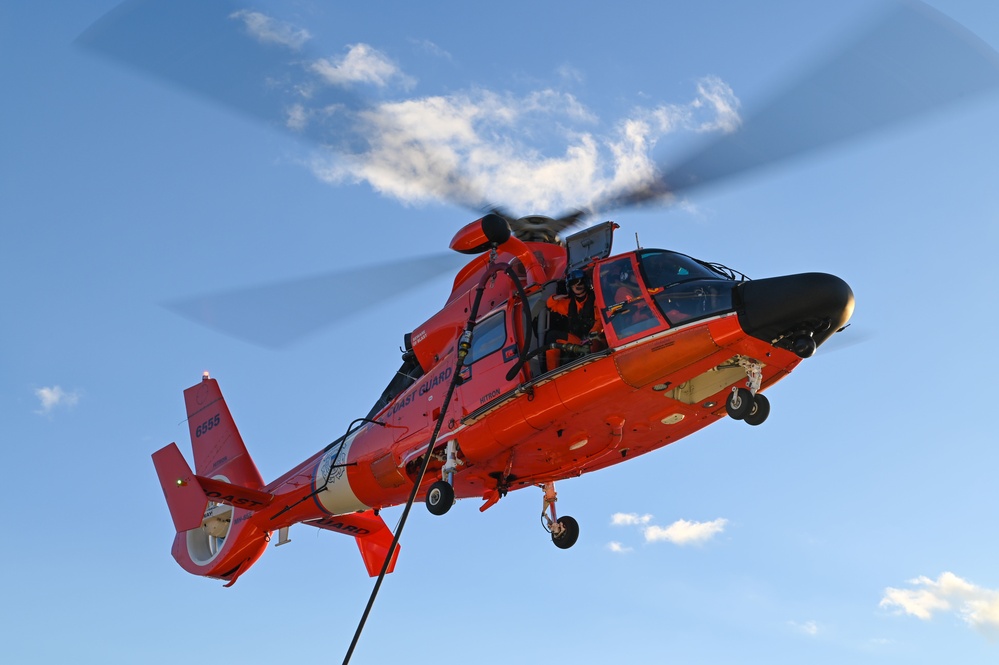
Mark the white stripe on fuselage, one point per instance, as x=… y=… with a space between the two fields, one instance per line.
x=338 y=497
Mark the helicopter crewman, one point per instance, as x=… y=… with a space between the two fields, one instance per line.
x=629 y=313
x=582 y=323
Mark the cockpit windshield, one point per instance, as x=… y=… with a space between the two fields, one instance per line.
x=684 y=288
x=664 y=269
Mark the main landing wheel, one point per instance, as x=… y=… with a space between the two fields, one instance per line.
x=760 y=410
x=440 y=498
x=739 y=403
x=565 y=531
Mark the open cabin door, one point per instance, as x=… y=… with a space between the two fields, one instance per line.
x=589 y=245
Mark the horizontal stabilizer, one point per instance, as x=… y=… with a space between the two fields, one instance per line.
x=374 y=549
x=184 y=496
x=234 y=495
x=372 y=535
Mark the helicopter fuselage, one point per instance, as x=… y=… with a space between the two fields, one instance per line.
x=682 y=343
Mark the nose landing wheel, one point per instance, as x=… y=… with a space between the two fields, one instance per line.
x=744 y=405
x=760 y=410
x=739 y=403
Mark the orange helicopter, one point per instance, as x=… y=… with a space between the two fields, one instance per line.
x=481 y=405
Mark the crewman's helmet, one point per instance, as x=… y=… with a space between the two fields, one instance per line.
x=575 y=277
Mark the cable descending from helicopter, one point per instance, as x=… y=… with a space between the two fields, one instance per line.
x=442 y=490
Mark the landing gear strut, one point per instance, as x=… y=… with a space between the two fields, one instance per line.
x=748 y=404
x=564 y=530
x=440 y=496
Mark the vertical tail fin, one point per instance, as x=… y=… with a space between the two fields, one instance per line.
x=218 y=447
x=212 y=506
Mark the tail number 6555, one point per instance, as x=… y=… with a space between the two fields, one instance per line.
x=207 y=426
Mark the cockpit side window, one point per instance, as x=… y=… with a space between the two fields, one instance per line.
x=618 y=281
x=488 y=337
x=626 y=309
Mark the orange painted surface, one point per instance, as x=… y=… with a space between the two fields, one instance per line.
x=646 y=390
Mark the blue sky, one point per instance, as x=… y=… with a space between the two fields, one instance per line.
x=856 y=525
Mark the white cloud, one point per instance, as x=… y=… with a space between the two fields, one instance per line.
x=683 y=532
x=618 y=548
x=430 y=47
x=362 y=64
x=680 y=532
x=298 y=117
x=543 y=151
x=977 y=606
x=55 y=397
x=715 y=108
x=629 y=519
x=809 y=628
x=570 y=74
x=534 y=153
x=268 y=30
x=722 y=105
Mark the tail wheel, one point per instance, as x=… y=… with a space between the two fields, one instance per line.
x=565 y=531
x=440 y=498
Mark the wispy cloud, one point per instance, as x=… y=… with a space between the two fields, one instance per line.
x=268 y=30
x=535 y=151
x=430 y=47
x=629 y=519
x=680 y=532
x=975 y=605
x=570 y=74
x=361 y=64
x=809 y=628
x=54 y=398
x=618 y=548
x=541 y=151
x=683 y=532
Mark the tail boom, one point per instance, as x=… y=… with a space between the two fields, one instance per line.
x=220 y=508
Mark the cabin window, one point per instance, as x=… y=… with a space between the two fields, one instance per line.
x=488 y=336
x=404 y=378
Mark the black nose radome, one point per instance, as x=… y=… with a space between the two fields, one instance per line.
x=797 y=312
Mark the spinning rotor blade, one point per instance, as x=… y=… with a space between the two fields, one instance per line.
x=908 y=62
x=270 y=71
x=276 y=315
x=208 y=48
